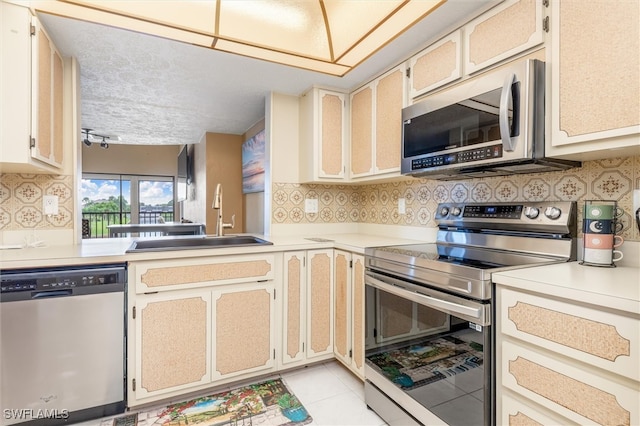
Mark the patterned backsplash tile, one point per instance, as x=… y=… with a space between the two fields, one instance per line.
x=609 y=179
x=21 y=201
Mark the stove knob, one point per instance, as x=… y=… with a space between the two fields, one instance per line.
x=456 y=211
x=532 y=212
x=552 y=213
x=444 y=211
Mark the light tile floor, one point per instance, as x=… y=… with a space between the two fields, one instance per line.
x=332 y=395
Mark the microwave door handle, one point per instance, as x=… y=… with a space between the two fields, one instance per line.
x=508 y=143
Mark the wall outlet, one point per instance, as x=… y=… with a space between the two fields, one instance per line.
x=50 y=204
x=311 y=205
x=402 y=207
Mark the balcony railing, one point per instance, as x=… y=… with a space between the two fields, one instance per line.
x=95 y=225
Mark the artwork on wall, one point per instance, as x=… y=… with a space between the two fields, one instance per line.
x=253 y=153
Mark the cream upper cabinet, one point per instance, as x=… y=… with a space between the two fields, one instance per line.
x=349 y=310
x=32 y=83
x=594 y=79
x=323 y=124
x=437 y=65
x=504 y=31
x=376 y=125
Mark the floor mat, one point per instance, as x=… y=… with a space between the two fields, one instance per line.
x=416 y=365
x=268 y=403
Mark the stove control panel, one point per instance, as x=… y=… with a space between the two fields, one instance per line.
x=523 y=216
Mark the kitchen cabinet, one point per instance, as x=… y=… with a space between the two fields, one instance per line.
x=594 y=80
x=192 y=321
x=243 y=330
x=172 y=343
x=349 y=319
x=32 y=82
x=565 y=361
x=502 y=32
x=437 y=65
x=307 y=325
x=322 y=129
x=376 y=125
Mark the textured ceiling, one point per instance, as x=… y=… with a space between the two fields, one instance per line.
x=149 y=90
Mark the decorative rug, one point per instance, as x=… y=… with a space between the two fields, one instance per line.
x=268 y=403
x=417 y=365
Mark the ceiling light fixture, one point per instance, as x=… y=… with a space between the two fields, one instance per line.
x=104 y=144
x=328 y=36
x=86 y=140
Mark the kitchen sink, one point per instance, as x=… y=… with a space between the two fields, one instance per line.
x=180 y=243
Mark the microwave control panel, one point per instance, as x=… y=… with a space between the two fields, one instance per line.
x=470 y=155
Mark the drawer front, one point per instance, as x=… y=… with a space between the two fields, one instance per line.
x=515 y=412
x=603 y=339
x=570 y=390
x=164 y=275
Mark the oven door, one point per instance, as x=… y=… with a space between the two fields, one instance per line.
x=428 y=354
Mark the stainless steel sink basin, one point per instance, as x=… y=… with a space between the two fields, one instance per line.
x=164 y=244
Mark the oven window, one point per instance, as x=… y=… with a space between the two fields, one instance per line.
x=435 y=358
x=469 y=122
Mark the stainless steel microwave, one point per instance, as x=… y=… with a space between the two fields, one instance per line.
x=492 y=124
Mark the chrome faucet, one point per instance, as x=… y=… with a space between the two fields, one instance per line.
x=217 y=205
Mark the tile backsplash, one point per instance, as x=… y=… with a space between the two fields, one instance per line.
x=21 y=202
x=609 y=179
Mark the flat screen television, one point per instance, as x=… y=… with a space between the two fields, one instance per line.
x=184 y=176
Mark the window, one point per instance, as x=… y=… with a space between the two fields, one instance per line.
x=121 y=199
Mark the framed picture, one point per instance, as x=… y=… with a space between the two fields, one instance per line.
x=253 y=153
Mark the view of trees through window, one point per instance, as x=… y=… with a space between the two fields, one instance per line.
x=111 y=200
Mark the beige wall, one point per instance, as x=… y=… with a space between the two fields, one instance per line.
x=217 y=159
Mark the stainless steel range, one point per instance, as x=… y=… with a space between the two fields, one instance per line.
x=430 y=311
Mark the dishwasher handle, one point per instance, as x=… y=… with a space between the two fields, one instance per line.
x=54 y=293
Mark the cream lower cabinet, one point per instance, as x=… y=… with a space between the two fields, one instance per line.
x=349 y=334
x=594 y=79
x=560 y=362
x=307 y=324
x=196 y=323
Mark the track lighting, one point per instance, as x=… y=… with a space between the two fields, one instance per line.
x=88 y=135
x=104 y=144
x=86 y=140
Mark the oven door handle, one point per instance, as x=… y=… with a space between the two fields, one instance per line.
x=466 y=312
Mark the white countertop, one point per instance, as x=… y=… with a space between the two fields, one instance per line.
x=616 y=288
x=107 y=250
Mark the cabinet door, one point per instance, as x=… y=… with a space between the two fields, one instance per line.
x=595 y=75
x=319 y=303
x=172 y=343
x=243 y=330
x=362 y=138
x=437 y=65
x=294 y=307
x=342 y=306
x=390 y=96
x=357 y=309
x=331 y=121
x=504 y=31
x=47 y=88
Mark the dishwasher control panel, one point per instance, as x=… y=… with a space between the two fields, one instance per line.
x=59 y=279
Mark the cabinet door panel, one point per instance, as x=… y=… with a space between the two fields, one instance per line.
x=437 y=65
x=362 y=132
x=504 y=31
x=390 y=99
x=43 y=115
x=294 y=307
x=242 y=337
x=320 y=303
x=357 y=341
x=599 y=100
x=342 y=336
x=57 y=86
x=172 y=342
x=332 y=135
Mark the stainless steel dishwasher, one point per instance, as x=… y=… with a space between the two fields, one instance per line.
x=62 y=336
